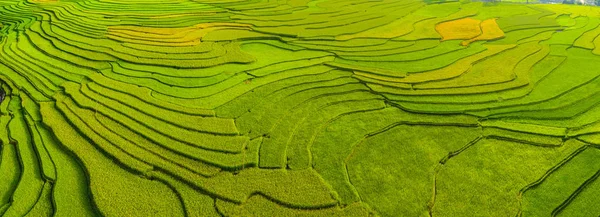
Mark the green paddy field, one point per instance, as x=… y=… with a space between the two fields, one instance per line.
x=299 y=108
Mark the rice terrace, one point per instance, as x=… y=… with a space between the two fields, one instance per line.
x=299 y=108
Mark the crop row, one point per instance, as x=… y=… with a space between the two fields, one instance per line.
x=291 y=108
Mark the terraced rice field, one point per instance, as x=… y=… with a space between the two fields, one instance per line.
x=298 y=108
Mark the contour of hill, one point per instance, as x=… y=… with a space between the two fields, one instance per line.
x=298 y=108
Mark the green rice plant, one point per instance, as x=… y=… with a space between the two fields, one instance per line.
x=366 y=69
x=235 y=34
x=48 y=169
x=120 y=195
x=546 y=197
x=50 y=80
x=326 y=24
x=260 y=121
x=596 y=42
x=259 y=50
x=67 y=47
x=487 y=11
x=209 y=90
x=486 y=72
x=549 y=87
x=70 y=192
x=30 y=181
x=425 y=29
x=52 y=50
x=440 y=49
x=259 y=205
x=589 y=128
x=571 y=34
x=298 y=189
x=242 y=104
x=451 y=71
x=60 y=67
x=130 y=155
x=221 y=157
x=40 y=87
x=280 y=44
x=116 y=145
x=390 y=47
x=453 y=102
x=571 y=114
x=539 y=18
x=43 y=206
x=580 y=91
x=282 y=67
x=586 y=40
x=194 y=201
x=380 y=159
x=298 y=153
x=96 y=102
x=205 y=47
x=181 y=160
x=234 y=92
x=201 y=124
x=329 y=150
x=298 y=108
x=419 y=65
x=274 y=148
x=579 y=205
x=134 y=92
x=110 y=50
x=533 y=138
x=210 y=85
x=527 y=34
x=489 y=181
x=352 y=45
x=395 y=29
x=11 y=171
